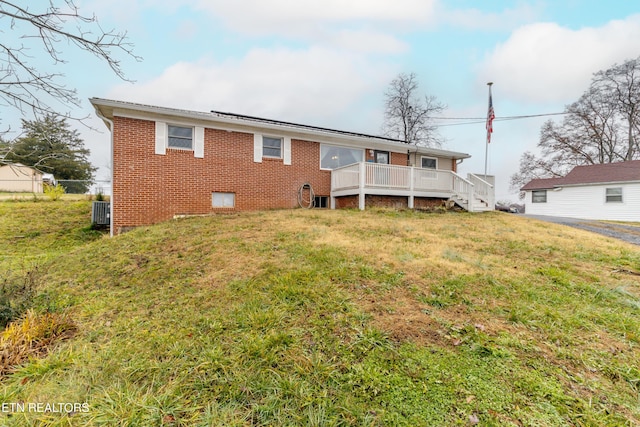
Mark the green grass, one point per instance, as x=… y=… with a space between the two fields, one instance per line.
x=323 y=318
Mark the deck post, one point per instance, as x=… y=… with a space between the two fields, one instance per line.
x=411 y=181
x=362 y=179
x=470 y=197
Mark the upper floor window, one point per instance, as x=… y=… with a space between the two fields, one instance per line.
x=271 y=147
x=180 y=137
x=429 y=163
x=539 y=196
x=614 y=195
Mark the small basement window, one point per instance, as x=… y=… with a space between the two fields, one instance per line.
x=614 y=195
x=539 y=196
x=321 y=202
x=180 y=137
x=224 y=200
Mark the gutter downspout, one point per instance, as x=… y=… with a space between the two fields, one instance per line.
x=99 y=114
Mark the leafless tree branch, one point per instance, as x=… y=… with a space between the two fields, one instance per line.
x=47 y=30
x=407 y=116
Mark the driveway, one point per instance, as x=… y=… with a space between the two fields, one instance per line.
x=628 y=233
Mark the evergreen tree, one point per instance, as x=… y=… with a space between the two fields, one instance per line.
x=51 y=146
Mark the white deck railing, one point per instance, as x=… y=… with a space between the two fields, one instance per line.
x=409 y=181
x=386 y=176
x=377 y=175
x=431 y=180
x=482 y=189
x=347 y=177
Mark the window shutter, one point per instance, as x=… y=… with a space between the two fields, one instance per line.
x=161 y=138
x=198 y=142
x=286 y=150
x=257 y=148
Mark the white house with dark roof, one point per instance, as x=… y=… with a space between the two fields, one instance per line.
x=609 y=191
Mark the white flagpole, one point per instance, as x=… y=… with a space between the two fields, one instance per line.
x=486 y=150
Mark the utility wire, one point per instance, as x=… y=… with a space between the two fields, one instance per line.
x=476 y=120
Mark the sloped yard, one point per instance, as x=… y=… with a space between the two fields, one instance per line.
x=330 y=318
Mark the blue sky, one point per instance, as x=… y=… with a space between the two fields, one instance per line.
x=328 y=63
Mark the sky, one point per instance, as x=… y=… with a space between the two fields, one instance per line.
x=328 y=63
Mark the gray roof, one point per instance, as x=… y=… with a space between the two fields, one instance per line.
x=107 y=107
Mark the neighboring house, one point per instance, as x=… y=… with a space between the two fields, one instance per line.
x=16 y=177
x=609 y=191
x=169 y=162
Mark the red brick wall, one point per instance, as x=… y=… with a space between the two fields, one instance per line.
x=347 y=202
x=399 y=159
x=149 y=188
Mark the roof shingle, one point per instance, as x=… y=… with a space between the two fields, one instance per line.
x=590 y=174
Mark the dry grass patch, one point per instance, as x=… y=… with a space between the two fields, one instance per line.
x=32 y=337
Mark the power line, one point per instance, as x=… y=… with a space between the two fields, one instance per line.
x=500 y=117
x=477 y=120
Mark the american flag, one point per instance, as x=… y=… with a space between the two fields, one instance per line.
x=490 y=116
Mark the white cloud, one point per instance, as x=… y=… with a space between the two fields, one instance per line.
x=367 y=42
x=547 y=63
x=314 y=86
x=476 y=19
x=286 y=16
x=358 y=25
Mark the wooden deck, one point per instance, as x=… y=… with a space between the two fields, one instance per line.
x=361 y=179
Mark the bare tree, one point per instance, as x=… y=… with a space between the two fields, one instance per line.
x=43 y=31
x=534 y=167
x=621 y=85
x=603 y=126
x=407 y=116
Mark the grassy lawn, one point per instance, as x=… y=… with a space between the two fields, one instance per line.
x=328 y=318
x=15 y=196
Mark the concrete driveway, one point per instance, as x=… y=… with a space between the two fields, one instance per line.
x=628 y=233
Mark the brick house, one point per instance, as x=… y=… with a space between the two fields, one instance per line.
x=169 y=162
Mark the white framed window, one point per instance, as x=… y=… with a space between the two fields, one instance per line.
x=333 y=156
x=180 y=137
x=428 y=162
x=272 y=147
x=223 y=200
x=613 y=195
x=539 y=196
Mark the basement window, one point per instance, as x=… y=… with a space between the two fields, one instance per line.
x=321 y=202
x=539 y=196
x=180 y=137
x=223 y=200
x=614 y=195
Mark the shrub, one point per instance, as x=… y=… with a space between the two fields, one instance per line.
x=54 y=192
x=32 y=336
